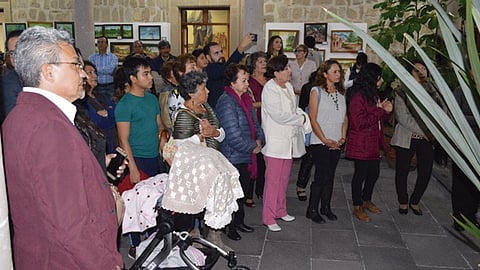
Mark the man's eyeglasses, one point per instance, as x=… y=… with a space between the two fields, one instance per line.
x=79 y=64
x=299 y=51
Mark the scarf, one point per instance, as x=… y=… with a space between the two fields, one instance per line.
x=245 y=102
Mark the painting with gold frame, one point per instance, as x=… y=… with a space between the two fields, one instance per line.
x=345 y=41
x=120 y=49
x=289 y=37
x=43 y=24
x=345 y=63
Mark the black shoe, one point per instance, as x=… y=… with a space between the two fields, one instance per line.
x=244 y=228
x=328 y=213
x=403 y=211
x=233 y=234
x=315 y=217
x=417 y=211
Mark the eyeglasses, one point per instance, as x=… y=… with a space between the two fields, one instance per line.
x=218 y=52
x=79 y=64
x=299 y=51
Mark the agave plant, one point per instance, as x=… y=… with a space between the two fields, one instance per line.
x=452 y=131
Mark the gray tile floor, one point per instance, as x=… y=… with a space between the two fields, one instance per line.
x=389 y=241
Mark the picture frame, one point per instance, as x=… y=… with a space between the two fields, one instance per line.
x=9 y=27
x=127 y=31
x=112 y=30
x=151 y=50
x=68 y=27
x=345 y=63
x=345 y=41
x=318 y=31
x=290 y=38
x=120 y=49
x=43 y=24
x=149 y=32
x=323 y=54
x=99 y=30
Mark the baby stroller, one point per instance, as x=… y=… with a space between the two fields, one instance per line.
x=169 y=238
x=211 y=184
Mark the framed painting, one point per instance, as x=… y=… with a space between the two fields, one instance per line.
x=322 y=53
x=112 y=30
x=99 y=31
x=120 y=49
x=43 y=24
x=345 y=63
x=289 y=37
x=127 y=31
x=151 y=50
x=67 y=27
x=9 y=27
x=345 y=41
x=149 y=32
x=318 y=31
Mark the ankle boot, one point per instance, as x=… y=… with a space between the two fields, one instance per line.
x=215 y=236
x=371 y=207
x=327 y=211
x=359 y=213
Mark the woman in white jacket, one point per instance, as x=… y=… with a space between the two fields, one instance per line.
x=280 y=116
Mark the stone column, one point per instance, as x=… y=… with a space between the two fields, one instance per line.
x=84 y=31
x=5 y=251
x=253 y=22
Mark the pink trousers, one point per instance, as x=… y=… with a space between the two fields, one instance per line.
x=277 y=175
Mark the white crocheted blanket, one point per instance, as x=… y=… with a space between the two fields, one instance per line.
x=201 y=177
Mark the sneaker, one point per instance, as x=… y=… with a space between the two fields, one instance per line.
x=288 y=218
x=132 y=253
x=274 y=227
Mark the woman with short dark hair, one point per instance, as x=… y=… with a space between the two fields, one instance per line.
x=280 y=118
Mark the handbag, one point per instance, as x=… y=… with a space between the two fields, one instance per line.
x=308 y=135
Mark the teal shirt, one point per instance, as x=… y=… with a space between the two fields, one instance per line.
x=141 y=113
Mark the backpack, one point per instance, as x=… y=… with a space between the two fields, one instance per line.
x=309 y=135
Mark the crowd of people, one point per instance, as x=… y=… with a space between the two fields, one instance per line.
x=63 y=128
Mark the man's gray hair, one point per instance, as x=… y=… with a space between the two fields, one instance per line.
x=37 y=46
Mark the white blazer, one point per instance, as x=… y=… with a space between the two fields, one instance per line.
x=279 y=117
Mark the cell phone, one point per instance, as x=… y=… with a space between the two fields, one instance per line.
x=116 y=162
x=255 y=37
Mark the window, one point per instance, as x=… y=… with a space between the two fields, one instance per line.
x=203 y=25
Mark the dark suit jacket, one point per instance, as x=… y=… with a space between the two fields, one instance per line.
x=62 y=209
x=11 y=87
x=216 y=77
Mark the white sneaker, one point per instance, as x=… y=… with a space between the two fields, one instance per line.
x=288 y=218
x=274 y=227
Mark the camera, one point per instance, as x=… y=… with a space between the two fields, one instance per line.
x=255 y=37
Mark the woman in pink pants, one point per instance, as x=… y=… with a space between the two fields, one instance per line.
x=280 y=116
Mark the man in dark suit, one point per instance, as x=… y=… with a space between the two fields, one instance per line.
x=62 y=208
x=11 y=85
